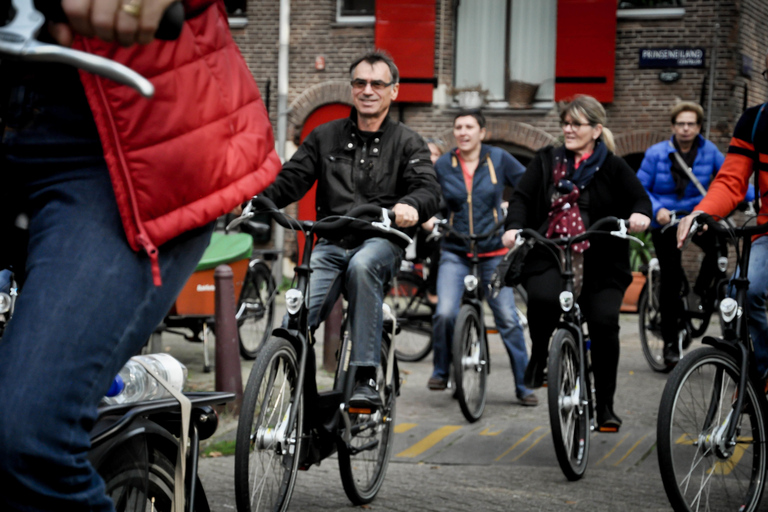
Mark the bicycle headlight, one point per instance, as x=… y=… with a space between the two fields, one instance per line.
x=5 y=303
x=293 y=301
x=470 y=283
x=729 y=308
x=566 y=301
x=722 y=263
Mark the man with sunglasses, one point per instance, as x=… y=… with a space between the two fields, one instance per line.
x=366 y=158
x=676 y=173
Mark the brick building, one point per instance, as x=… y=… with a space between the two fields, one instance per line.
x=562 y=46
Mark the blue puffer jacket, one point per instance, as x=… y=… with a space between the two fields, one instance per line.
x=656 y=176
x=478 y=212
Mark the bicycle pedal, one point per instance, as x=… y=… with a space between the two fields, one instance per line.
x=360 y=410
x=491 y=331
x=608 y=430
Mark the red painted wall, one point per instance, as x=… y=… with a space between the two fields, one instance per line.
x=586 y=49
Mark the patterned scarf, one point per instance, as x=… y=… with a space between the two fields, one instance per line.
x=564 y=217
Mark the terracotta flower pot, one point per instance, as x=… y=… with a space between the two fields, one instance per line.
x=632 y=295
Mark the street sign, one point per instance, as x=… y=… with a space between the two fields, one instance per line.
x=671 y=58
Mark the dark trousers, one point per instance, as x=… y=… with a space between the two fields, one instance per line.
x=601 y=310
x=673 y=276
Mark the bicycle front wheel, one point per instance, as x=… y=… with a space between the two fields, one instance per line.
x=363 y=463
x=414 y=317
x=267 y=447
x=255 y=310
x=702 y=470
x=568 y=412
x=649 y=327
x=470 y=363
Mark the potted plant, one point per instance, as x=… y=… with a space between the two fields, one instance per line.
x=639 y=257
x=470 y=97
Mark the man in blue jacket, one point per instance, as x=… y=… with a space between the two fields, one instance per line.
x=676 y=174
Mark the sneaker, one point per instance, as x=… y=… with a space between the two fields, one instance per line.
x=534 y=374
x=607 y=421
x=365 y=396
x=529 y=400
x=437 y=384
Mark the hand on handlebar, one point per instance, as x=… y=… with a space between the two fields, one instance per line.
x=663 y=216
x=684 y=228
x=509 y=237
x=405 y=215
x=638 y=222
x=110 y=21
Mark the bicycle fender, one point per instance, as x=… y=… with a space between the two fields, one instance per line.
x=156 y=434
x=293 y=337
x=729 y=347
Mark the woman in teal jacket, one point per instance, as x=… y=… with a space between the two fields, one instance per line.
x=473 y=177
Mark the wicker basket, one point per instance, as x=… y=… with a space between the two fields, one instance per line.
x=522 y=94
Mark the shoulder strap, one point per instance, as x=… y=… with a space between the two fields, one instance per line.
x=689 y=173
x=756 y=159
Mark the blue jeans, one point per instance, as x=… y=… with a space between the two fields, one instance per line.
x=87 y=304
x=363 y=273
x=756 y=299
x=450 y=288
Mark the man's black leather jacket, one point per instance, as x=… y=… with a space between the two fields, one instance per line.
x=351 y=168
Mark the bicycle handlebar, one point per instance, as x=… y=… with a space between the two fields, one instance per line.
x=743 y=232
x=468 y=237
x=596 y=228
x=18 y=40
x=329 y=225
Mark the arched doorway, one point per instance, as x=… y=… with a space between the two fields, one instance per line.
x=321 y=115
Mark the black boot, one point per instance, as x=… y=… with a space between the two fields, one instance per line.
x=535 y=377
x=607 y=421
x=366 y=394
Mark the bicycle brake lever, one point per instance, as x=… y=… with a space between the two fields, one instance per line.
x=623 y=232
x=246 y=215
x=18 y=39
x=386 y=225
x=689 y=237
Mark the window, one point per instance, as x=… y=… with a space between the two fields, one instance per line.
x=498 y=50
x=236 y=8
x=355 y=11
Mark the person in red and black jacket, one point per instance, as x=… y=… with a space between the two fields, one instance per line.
x=749 y=146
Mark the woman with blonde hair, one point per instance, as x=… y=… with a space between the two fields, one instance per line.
x=599 y=184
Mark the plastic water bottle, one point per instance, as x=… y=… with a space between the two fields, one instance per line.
x=135 y=384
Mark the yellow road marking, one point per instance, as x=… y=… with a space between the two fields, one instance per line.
x=526 y=436
x=613 y=449
x=429 y=441
x=630 y=450
x=404 y=427
x=545 y=434
x=487 y=432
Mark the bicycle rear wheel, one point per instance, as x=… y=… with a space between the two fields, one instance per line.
x=138 y=477
x=470 y=363
x=649 y=326
x=409 y=303
x=267 y=448
x=568 y=414
x=255 y=310
x=363 y=463
x=699 y=468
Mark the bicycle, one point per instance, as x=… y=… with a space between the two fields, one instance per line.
x=135 y=447
x=470 y=354
x=408 y=299
x=711 y=427
x=569 y=371
x=695 y=315
x=285 y=423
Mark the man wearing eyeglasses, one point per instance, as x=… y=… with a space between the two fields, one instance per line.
x=676 y=173
x=366 y=158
